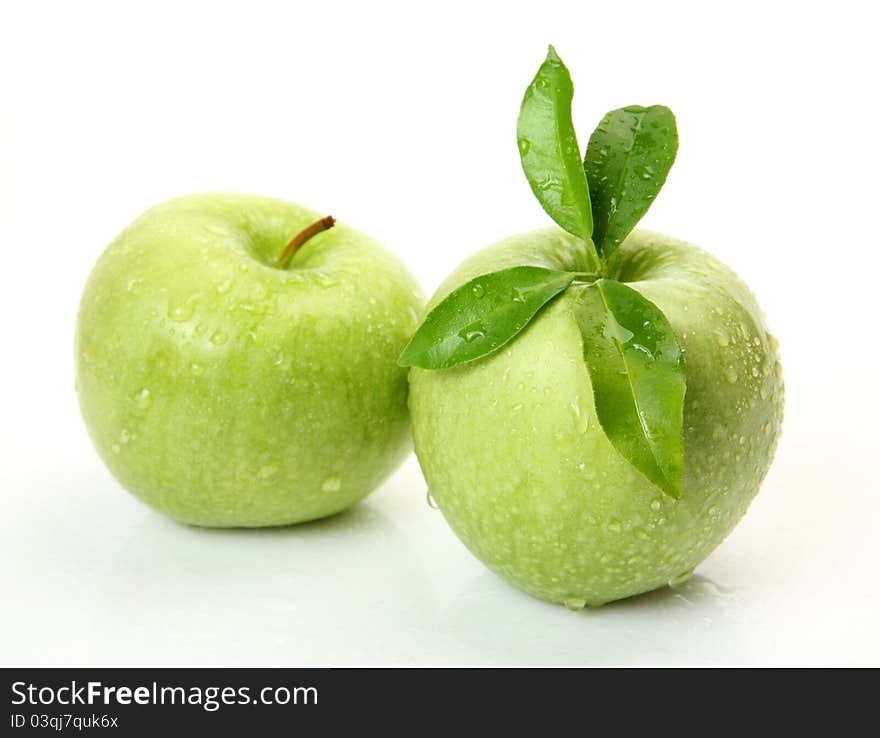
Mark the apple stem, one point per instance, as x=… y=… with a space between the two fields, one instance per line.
x=304 y=235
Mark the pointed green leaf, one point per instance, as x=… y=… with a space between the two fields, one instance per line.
x=549 y=149
x=628 y=157
x=637 y=371
x=482 y=315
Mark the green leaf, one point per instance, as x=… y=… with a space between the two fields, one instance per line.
x=628 y=157
x=637 y=371
x=482 y=315
x=549 y=149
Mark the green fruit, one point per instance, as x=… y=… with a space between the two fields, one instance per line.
x=517 y=461
x=223 y=390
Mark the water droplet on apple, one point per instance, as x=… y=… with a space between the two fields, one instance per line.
x=181 y=313
x=219 y=337
x=224 y=287
x=332 y=483
x=432 y=503
x=517 y=408
x=574 y=603
x=778 y=370
x=217 y=230
x=201 y=329
x=142 y=398
x=196 y=368
x=679 y=581
x=774 y=344
x=656 y=505
x=478 y=291
x=523 y=144
x=614 y=525
x=581 y=418
x=755 y=371
x=132 y=285
x=267 y=471
x=721 y=337
x=605 y=559
x=731 y=374
x=767 y=428
x=325 y=280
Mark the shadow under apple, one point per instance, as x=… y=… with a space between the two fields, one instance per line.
x=326 y=592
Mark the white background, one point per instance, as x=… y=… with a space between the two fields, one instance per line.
x=400 y=120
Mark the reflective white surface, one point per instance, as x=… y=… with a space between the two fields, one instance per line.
x=401 y=122
x=92 y=577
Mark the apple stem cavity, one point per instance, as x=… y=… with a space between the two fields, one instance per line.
x=304 y=235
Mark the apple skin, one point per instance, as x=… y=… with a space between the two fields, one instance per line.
x=516 y=460
x=223 y=391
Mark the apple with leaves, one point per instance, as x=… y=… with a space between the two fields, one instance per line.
x=594 y=407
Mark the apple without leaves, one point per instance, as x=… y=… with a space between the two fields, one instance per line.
x=224 y=389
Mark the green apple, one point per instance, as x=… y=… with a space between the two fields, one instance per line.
x=594 y=407
x=516 y=459
x=225 y=388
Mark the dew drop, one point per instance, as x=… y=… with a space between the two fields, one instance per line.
x=196 y=368
x=517 y=408
x=721 y=338
x=432 y=503
x=605 y=559
x=325 y=280
x=581 y=418
x=219 y=337
x=614 y=525
x=142 y=398
x=125 y=437
x=224 y=287
x=478 y=291
x=656 y=505
x=181 y=313
x=731 y=374
x=523 y=144
x=267 y=471
x=575 y=603
x=332 y=483
x=679 y=581
x=472 y=332
x=217 y=230
x=755 y=371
